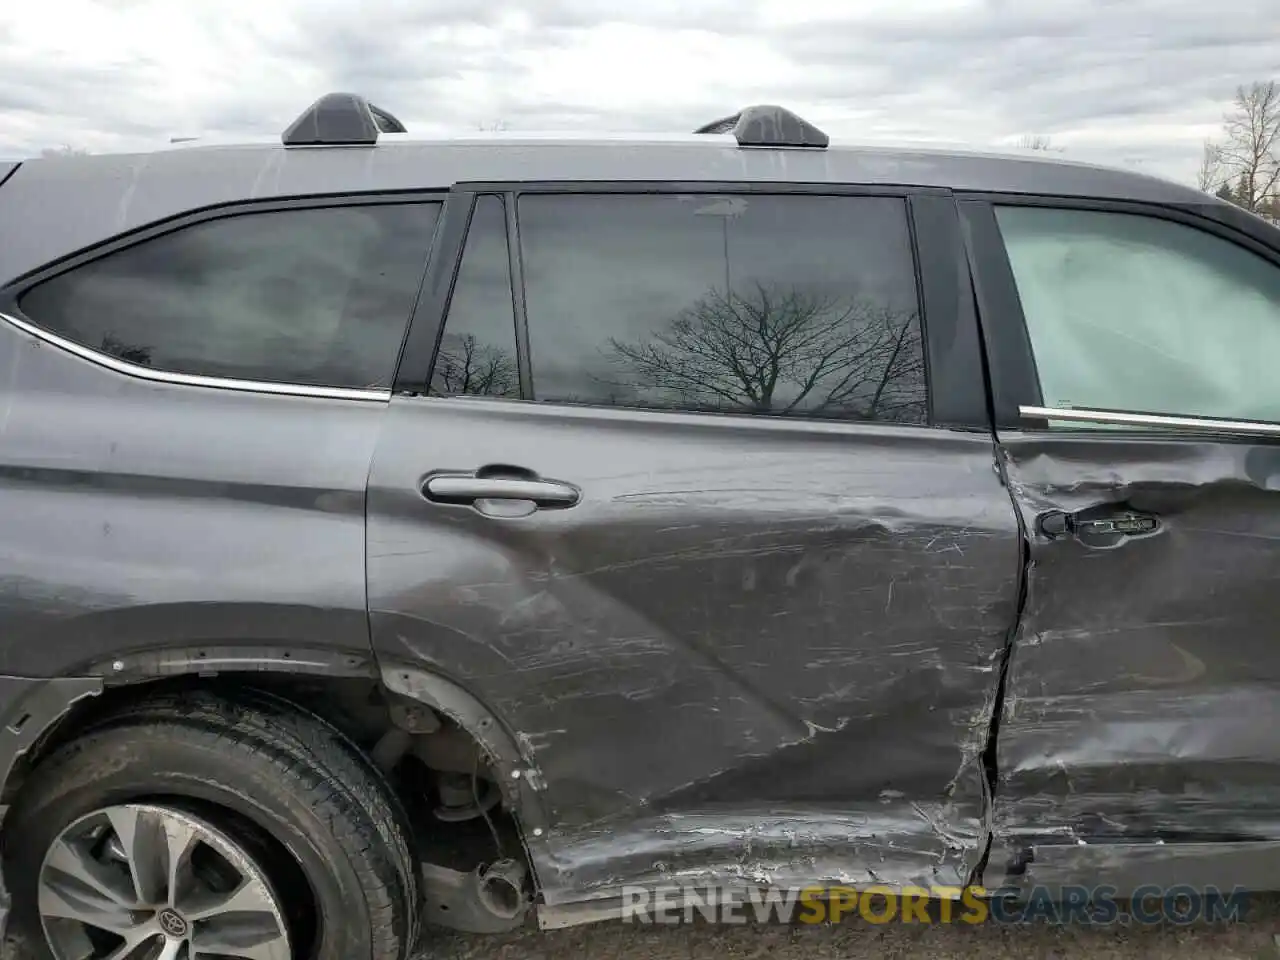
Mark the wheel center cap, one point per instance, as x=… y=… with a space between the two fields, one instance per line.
x=172 y=923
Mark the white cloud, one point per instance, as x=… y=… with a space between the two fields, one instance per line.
x=1141 y=82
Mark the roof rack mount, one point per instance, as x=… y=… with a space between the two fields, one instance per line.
x=340 y=119
x=347 y=119
x=767 y=125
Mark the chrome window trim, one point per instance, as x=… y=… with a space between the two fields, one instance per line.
x=1084 y=415
x=193 y=380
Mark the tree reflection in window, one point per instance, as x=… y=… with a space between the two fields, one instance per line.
x=476 y=368
x=784 y=351
x=774 y=305
x=477 y=354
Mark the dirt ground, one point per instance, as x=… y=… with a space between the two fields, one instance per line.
x=1254 y=938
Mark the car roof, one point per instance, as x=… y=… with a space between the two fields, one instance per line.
x=67 y=203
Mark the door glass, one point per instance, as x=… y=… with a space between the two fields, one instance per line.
x=771 y=305
x=1134 y=313
x=477 y=353
x=315 y=296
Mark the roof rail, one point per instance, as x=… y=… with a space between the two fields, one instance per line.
x=767 y=125
x=339 y=119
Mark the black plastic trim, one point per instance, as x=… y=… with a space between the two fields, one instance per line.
x=34 y=711
x=1010 y=365
x=953 y=352
x=417 y=357
x=340 y=119
x=387 y=121
x=516 y=259
x=211 y=659
x=768 y=125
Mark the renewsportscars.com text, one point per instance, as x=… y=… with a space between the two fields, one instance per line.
x=1101 y=905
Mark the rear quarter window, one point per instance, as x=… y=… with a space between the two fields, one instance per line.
x=309 y=296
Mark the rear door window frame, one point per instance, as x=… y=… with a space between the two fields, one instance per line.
x=956 y=389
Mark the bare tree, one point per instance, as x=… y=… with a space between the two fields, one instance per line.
x=784 y=352
x=1210 y=177
x=65 y=150
x=1250 y=154
x=473 y=368
x=1037 y=141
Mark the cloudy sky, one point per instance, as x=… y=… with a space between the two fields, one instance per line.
x=1138 y=82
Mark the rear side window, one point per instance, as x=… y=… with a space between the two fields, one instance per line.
x=477 y=355
x=1137 y=314
x=772 y=305
x=314 y=296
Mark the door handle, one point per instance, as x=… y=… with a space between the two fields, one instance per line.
x=1056 y=524
x=468 y=488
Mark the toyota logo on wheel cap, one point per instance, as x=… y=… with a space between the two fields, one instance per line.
x=172 y=923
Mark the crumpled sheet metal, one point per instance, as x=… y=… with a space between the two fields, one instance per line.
x=1143 y=691
x=712 y=678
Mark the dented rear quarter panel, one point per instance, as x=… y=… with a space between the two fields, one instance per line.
x=758 y=650
x=1143 y=694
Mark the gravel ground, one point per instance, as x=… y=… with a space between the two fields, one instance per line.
x=851 y=941
x=1254 y=938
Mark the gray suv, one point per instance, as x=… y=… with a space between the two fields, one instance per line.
x=405 y=534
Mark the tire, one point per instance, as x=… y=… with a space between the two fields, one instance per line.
x=300 y=801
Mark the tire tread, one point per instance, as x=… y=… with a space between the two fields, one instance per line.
x=270 y=737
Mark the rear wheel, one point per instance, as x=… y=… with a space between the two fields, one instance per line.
x=133 y=876
x=192 y=826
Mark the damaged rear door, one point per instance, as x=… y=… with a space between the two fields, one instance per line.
x=1133 y=354
x=699 y=499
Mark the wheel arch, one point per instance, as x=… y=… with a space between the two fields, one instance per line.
x=45 y=712
x=512 y=759
x=34 y=711
x=37 y=714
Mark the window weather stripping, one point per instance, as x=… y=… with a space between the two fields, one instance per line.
x=1121 y=418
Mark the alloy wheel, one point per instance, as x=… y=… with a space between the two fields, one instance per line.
x=148 y=882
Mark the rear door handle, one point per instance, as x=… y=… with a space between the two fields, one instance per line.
x=1056 y=524
x=467 y=488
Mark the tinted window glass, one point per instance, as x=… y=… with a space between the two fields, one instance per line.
x=309 y=296
x=478 y=349
x=1137 y=314
x=800 y=305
